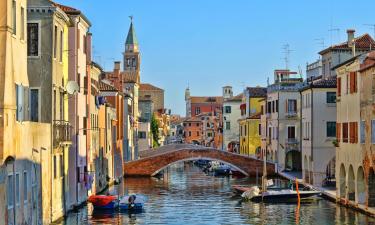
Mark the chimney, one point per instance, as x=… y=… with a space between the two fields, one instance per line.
x=117 y=65
x=350 y=33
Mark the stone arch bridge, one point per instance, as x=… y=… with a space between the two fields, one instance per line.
x=152 y=162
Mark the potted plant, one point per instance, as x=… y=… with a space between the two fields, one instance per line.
x=335 y=143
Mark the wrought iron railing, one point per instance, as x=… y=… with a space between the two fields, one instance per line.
x=292 y=144
x=61 y=132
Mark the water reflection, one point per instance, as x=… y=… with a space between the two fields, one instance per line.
x=185 y=195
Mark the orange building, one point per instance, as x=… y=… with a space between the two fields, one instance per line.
x=193 y=131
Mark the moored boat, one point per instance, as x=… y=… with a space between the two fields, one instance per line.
x=103 y=201
x=132 y=202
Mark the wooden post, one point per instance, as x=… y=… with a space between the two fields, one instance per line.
x=297 y=191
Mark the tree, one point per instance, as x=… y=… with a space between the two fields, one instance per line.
x=155 y=132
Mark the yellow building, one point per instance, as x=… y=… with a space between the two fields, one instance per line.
x=249 y=124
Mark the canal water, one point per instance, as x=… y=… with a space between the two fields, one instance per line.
x=186 y=195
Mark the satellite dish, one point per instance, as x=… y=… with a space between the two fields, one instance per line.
x=72 y=87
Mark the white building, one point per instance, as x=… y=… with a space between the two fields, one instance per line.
x=144 y=136
x=283 y=120
x=231 y=114
x=319 y=131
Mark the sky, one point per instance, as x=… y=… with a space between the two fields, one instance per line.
x=207 y=44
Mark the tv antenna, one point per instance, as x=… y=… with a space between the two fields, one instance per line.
x=320 y=42
x=337 y=30
x=287 y=52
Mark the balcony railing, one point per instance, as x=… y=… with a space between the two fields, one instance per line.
x=292 y=144
x=61 y=132
x=291 y=114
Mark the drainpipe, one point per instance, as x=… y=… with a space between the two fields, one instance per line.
x=312 y=130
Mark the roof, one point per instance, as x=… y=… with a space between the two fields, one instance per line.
x=236 y=98
x=208 y=99
x=71 y=11
x=149 y=87
x=368 y=62
x=257 y=91
x=131 y=39
x=329 y=82
x=127 y=77
x=364 y=41
x=106 y=87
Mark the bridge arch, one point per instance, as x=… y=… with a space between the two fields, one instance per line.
x=154 y=161
x=203 y=158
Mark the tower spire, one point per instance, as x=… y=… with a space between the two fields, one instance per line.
x=131 y=39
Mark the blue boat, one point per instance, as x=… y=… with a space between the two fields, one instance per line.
x=132 y=202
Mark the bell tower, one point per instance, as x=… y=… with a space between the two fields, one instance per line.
x=132 y=59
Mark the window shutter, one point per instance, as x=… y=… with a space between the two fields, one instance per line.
x=339 y=86
x=338 y=131
x=20 y=102
x=355 y=81
x=286 y=105
x=26 y=96
x=355 y=132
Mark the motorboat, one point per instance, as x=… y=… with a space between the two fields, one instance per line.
x=132 y=202
x=222 y=170
x=111 y=202
x=278 y=196
x=103 y=201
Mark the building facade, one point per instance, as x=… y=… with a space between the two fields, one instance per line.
x=318 y=115
x=149 y=91
x=231 y=114
x=283 y=123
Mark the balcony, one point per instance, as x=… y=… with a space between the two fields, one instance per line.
x=61 y=133
x=292 y=144
x=291 y=114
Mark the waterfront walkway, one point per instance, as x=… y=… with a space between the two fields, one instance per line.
x=329 y=193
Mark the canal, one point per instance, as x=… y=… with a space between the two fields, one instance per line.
x=186 y=195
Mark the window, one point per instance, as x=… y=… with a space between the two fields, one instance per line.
x=189 y=124
x=14 y=17
x=353 y=127
x=227 y=125
x=277 y=105
x=209 y=134
x=197 y=124
x=61 y=105
x=10 y=191
x=20 y=102
x=269 y=132
x=345 y=132
x=269 y=107
x=55 y=42
x=54 y=104
x=228 y=109
x=61 y=166
x=353 y=82
x=363 y=130
x=22 y=23
x=54 y=167
x=262 y=110
x=85 y=85
x=197 y=133
x=61 y=45
x=339 y=86
x=25 y=186
x=373 y=131
x=291 y=105
x=34 y=105
x=259 y=129
x=273 y=106
x=142 y=134
x=17 y=189
x=245 y=130
x=331 y=129
x=291 y=132
x=331 y=97
x=208 y=125
x=197 y=111
x=32 y=39
x=189 y=133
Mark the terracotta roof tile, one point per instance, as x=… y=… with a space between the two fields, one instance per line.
x=257 y=91
x=211 y=99
x=149 y=87
x=65 y=8
x=235 y=98
x=364 y=41
x=106 y=87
